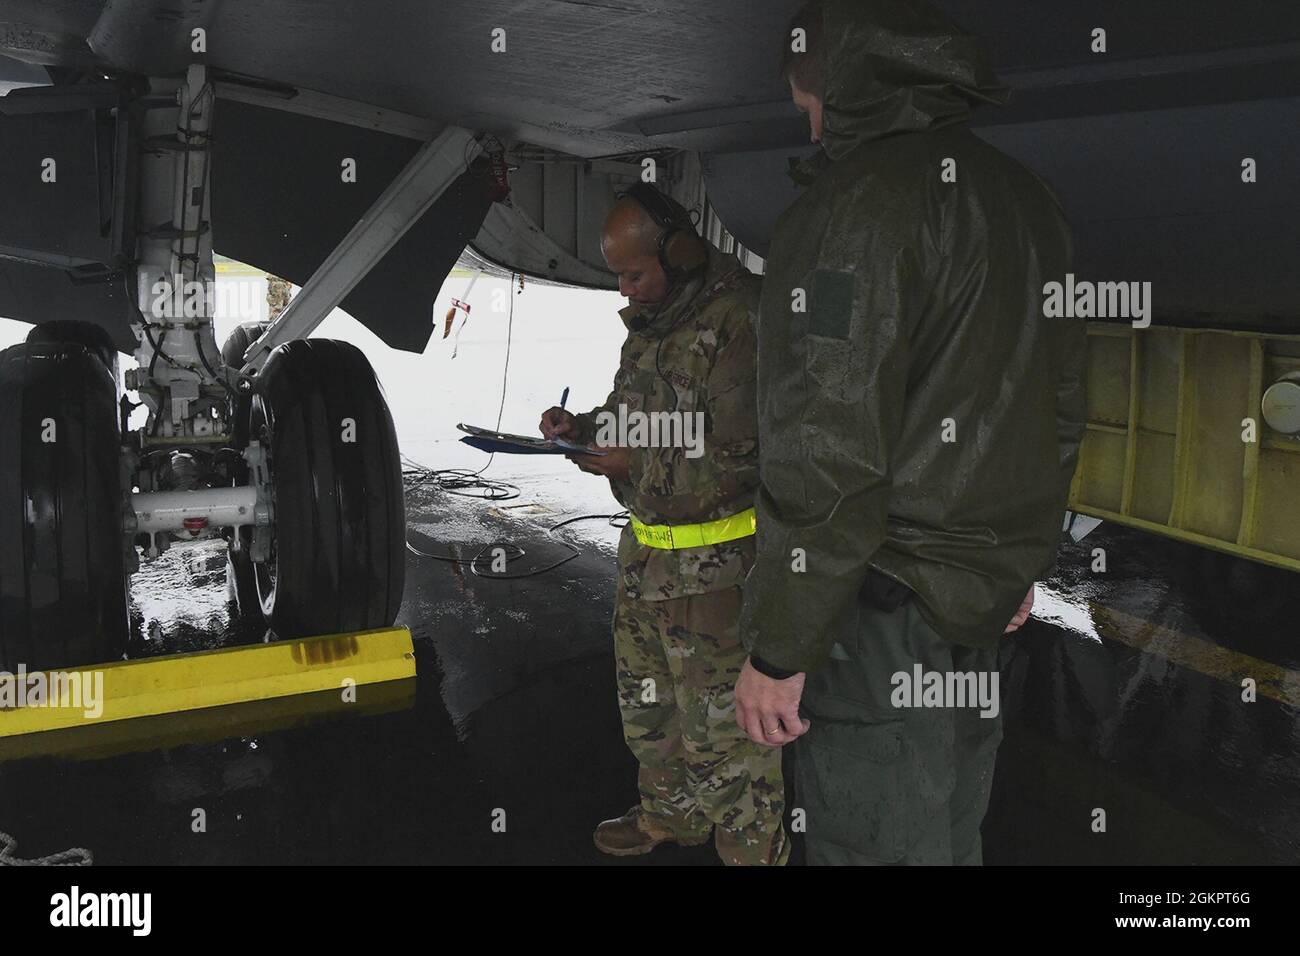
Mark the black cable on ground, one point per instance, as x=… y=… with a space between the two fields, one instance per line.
x=617 y=520
x=473 y=563
x=458 y=481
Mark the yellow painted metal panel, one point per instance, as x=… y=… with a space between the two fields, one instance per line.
x=1108 y=361
x=1220 y=377
x=183 y=682
x=1165 y=451
x=1161 y=355
x=1134 y=417
x=1277 y=528
x=1153 y=482
x=1182 y=430
x=1153 y=479
x=1250 y=469
x=1102 y=481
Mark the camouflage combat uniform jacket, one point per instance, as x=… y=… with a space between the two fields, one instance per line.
x=709 y=354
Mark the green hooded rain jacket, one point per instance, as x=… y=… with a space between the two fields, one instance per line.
x=918 y=413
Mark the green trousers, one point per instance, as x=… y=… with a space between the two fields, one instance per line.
x=886 y=784
x=677 y=663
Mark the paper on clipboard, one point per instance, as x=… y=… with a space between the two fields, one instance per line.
x=490 y=440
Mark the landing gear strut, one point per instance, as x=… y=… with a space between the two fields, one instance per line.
x=281 y=445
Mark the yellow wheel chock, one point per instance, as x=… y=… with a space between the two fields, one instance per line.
x=125 y=690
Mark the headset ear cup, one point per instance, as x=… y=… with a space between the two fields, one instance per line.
x=682 y=252
x=671 y=270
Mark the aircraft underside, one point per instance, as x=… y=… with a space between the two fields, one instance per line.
x=362 y=157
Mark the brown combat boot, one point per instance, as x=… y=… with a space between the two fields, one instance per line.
x=634 y=833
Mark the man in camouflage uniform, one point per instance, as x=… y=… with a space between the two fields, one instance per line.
x=277 y=296
x=690 y=349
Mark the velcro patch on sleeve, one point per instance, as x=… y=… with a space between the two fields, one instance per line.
x=830 y=304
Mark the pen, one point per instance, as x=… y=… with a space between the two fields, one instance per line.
x=564 y=398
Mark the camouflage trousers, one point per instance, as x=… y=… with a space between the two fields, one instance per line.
x=881 y=784
x=677 y=662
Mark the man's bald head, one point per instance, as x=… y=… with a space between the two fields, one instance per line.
x=630 y=230
x=630 y=244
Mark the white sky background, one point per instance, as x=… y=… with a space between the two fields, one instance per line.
x=561 y=337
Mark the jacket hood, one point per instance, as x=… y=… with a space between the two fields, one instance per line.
x=895 y=66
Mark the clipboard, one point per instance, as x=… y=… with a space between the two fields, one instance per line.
x=490 y=440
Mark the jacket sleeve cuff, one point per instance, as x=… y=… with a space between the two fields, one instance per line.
x=584 y=428
x=770 y=670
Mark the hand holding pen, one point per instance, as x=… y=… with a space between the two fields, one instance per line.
x=557 y=423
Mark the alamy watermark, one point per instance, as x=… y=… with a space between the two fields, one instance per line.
x=1098 y=300
x=75 y=690
x=180 y=298
x=74 y=908
x=922 y=688
x=637 y=429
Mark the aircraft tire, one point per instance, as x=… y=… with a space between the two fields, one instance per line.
x=63 y=581
x=339 y=512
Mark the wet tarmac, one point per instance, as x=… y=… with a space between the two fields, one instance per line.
x=1123 y=693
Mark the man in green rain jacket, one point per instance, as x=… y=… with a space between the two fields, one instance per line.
x=919 y=424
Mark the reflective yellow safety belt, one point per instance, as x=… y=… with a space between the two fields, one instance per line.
x=674 y=536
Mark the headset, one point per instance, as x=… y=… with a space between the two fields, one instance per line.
x=681 y=250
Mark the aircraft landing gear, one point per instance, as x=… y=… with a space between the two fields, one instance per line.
x=282 y=446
